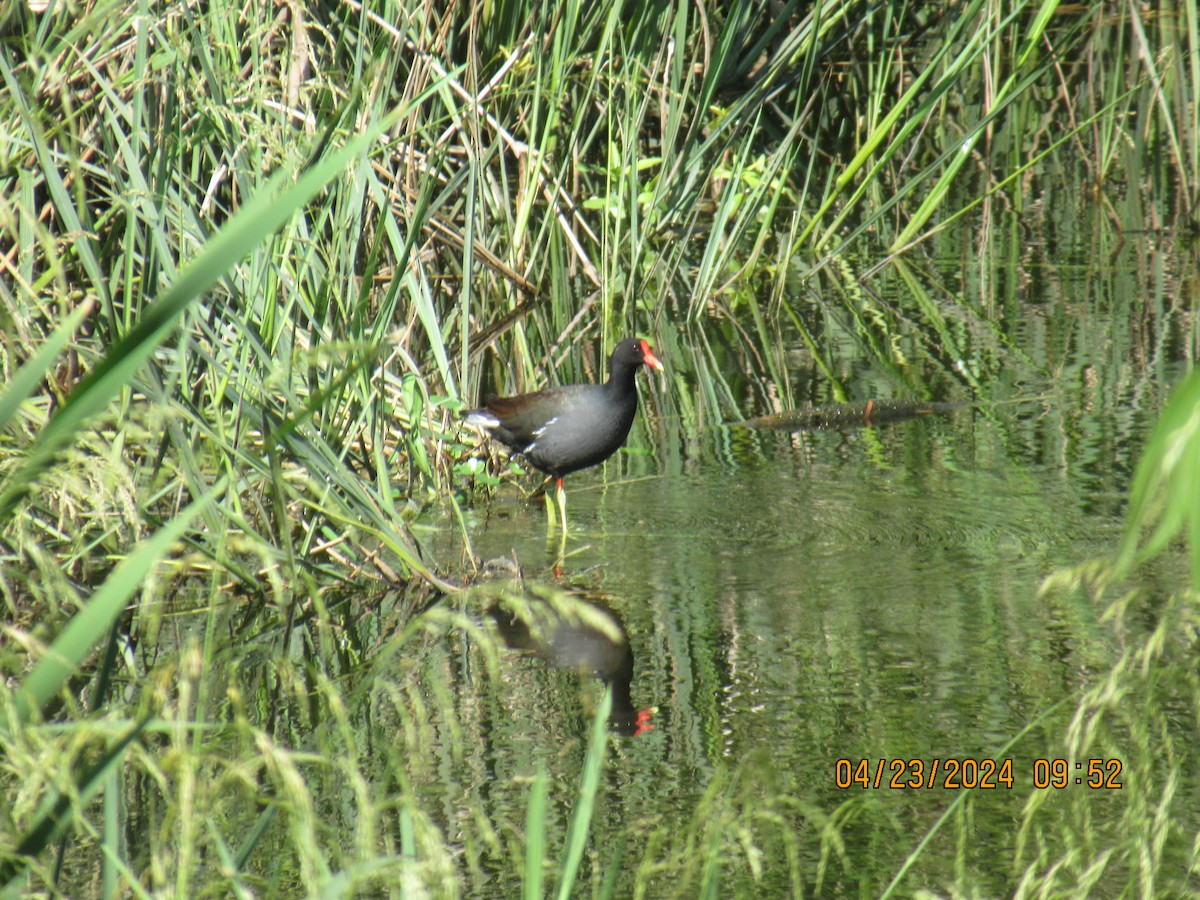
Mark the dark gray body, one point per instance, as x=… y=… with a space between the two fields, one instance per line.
x=561 y=430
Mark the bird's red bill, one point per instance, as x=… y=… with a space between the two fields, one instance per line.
x=649 y=358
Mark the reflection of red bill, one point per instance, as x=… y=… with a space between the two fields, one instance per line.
x=643 y=720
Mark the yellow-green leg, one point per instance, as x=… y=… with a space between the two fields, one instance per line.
x=561 y=511
x=562 y=505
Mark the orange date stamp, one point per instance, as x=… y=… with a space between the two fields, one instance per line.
x=969 y=773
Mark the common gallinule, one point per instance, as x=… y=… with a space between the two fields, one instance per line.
x=561 y=430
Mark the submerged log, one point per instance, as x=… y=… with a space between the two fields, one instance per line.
x=840 y=416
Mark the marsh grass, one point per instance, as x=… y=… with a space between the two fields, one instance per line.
x=255 y=259
x=1126 y=715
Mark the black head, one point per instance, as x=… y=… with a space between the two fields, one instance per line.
x=631 y=353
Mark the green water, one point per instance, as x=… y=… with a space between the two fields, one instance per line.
x=797 y=603
x=861 y=596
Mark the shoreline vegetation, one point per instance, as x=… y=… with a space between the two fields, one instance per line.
x=255 y=260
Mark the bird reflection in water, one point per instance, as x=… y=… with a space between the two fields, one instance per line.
x=570 y=632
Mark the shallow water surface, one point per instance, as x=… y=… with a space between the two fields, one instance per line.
x=794 y=600
x=799 y=602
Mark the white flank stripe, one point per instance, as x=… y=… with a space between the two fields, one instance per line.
x=540 y=431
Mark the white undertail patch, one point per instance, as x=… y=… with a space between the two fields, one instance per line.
x=481 y=418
